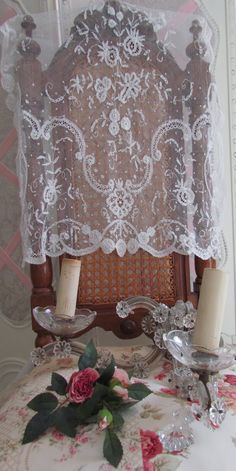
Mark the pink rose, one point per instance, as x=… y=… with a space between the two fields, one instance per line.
x=227 y=393
x=103 y=423
x=167 y=366
x=81 y=385
x=106 y=467
x=105 y=418
x=172 y=392
x=149 y=466
x=81 y=438
x=72 y=450
x=133 y=448
x=22 y=412
x=150 y=443
x=231 y=379
x=121 y=376
x=58 y=435
x=160 y=376
x=121 y=392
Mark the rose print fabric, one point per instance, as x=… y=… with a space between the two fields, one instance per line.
x=143 y=449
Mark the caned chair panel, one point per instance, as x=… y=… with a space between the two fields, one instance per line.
x=106 y=279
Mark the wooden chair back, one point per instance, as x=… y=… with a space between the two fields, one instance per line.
x=106 y=279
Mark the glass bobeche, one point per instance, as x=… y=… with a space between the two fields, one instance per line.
x=210 y=407
x=63 y=326
x=179 y=345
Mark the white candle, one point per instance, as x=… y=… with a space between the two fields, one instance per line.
x=211 y=308
x=68 y=288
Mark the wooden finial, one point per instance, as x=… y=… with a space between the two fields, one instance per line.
x=28 y=46
x=195 y=29
x=197 y=48
x=28 y=25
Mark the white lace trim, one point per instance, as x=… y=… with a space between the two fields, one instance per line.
x=111 y=159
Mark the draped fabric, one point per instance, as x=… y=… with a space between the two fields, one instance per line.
x=119 y=129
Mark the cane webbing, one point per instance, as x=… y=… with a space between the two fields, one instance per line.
x=109 y=278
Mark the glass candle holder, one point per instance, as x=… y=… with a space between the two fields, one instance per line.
x=62 y=326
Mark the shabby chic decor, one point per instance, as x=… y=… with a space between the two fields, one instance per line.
x=92 y=395
x=119 y=129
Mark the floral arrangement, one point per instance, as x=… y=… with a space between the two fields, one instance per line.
x=92 y=395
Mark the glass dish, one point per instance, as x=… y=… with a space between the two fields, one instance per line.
x=179 y=344
x=64 y=327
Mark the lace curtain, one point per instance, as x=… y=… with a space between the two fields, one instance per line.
x=119 y=129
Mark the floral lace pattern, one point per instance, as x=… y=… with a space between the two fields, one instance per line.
x=117 y=141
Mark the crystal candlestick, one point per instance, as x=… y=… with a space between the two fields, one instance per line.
x=63 y=327
x=206 y=365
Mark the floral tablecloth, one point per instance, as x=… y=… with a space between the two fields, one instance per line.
x=211 y=451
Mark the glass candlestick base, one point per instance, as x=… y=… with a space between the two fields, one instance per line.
x=206 y=365
x=62 y=326
x=178 y=436
x=179 y=345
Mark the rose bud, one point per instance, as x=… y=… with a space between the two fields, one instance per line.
x=104 y=418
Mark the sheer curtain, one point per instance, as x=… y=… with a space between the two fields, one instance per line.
x=119 y=129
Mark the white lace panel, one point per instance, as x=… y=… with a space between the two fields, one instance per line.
x=119 y=135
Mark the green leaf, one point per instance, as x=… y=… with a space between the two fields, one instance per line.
x=92 y=405
x=36 y=427
x=112 y=448
x=88 y=359
x=58 y=384
x=73 y=406
x=138 y=391
x=44 y=402
x=130 y=373
x=126 y=405
x=118 y=420
x=92 y=420
x=108 y=372
x=65 y=421
x=113 y=401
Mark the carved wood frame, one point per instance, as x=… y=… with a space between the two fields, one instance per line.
x=42 y=276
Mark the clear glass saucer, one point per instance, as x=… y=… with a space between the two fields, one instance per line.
x=64 y=327
x=179 y=344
